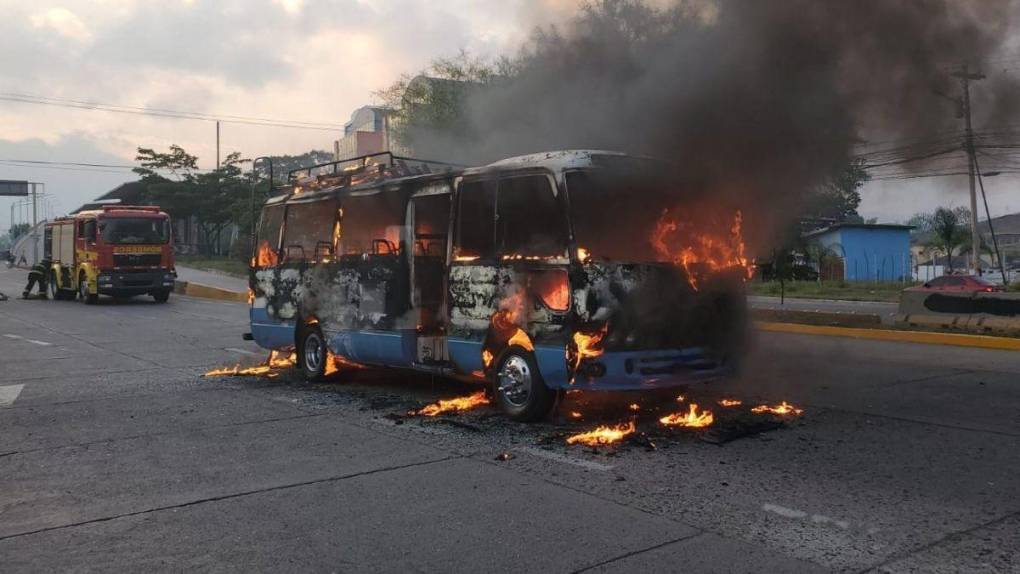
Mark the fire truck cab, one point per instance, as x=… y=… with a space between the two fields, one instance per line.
x=119 y=251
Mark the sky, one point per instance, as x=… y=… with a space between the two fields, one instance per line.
x=291 y=60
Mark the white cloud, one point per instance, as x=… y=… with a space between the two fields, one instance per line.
x=290 y=6
x=63 y=22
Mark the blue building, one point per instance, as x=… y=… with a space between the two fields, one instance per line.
x=869 y=252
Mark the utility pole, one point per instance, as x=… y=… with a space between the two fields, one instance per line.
x=35 y=221
x=217 y=145
x=965 y=77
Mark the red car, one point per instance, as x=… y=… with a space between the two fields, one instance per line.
x=959 y=284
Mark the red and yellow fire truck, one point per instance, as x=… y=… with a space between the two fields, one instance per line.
x=119 y=250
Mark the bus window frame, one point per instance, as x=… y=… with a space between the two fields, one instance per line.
x=282 y=204
x=284 y=250
x=441 y=187
x=558 y=199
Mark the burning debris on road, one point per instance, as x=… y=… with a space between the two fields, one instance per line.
x=782 y=409
x=455 y=405
x=277 y=361
x=692 y=418
x=603 y=435
x=735 y=422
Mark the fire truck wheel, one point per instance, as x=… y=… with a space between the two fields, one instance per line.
x=83 y=291
x=312 y=353
x=161 y=296
x=518 y=387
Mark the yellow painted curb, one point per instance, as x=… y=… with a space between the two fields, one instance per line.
x=206 y=292
x=927 y=337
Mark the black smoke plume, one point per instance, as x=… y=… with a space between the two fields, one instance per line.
x=757 y=100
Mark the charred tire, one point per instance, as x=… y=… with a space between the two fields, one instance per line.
x=518 y=388
x=83 y=291
x=312 y=353
x=161 y=296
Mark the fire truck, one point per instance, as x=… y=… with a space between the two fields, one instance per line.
x=119 y=251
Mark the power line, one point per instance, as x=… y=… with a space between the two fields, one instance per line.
x=166 y=113
x=77 y=166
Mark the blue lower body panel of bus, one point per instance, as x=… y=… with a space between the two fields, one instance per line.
x=644 y=370
x=612 y=371
x=385 y=348
x=270 y=333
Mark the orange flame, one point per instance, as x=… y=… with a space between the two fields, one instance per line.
x=486 y=358
x=588 y=346
x=266 y=256
x=276 y=360
x=575 y=415
x=504 y=322
x=583 y=254
x=730 y=403
x=634 y=407
x=454 y=405
x=782 y=409
x=700 y=252
x=602 y=435
x=691 y=418
x=522 y=339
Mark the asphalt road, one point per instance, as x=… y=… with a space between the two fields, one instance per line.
x=115 y=454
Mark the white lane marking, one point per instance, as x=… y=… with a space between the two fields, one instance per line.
x=551 y=455
x=9 y=394
x=33 y=341
x=800 y=514
x=241 y=351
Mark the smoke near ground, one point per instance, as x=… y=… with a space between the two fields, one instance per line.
x=755 y=100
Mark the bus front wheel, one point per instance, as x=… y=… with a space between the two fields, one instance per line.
x=518 y=387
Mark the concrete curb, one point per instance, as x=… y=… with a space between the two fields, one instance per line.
x=828 y=318
x=207 y=292
x=926 y=337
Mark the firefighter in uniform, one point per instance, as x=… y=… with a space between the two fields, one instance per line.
x=37 y=276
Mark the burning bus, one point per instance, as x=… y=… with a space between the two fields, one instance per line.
x=536 y=274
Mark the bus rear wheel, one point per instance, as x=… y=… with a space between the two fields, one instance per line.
x=518 y=387
x=312 y=353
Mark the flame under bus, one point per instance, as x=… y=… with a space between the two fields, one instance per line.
x=551 y=271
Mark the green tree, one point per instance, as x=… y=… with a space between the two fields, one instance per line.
x=210 y=197
x=947 y=229
x=178 y=163
x=839 y=197
x=435 y=100
x=17 y=230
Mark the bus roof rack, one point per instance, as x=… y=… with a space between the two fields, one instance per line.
x=149 y=208
x=364 y=169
